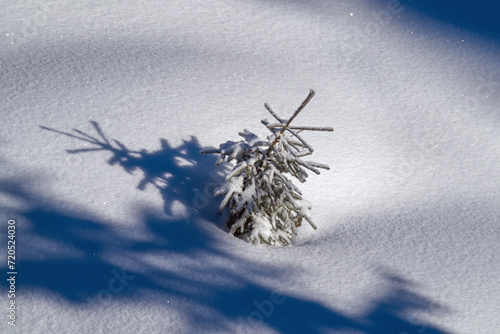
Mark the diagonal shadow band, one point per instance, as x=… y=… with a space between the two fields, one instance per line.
x=84 y=260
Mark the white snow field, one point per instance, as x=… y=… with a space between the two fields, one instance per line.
x=105 y=106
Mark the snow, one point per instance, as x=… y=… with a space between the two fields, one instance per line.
x=127 y=238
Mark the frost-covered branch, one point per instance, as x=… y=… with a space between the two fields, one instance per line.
x=264 y=204
x=309 y=128
x=299 y=109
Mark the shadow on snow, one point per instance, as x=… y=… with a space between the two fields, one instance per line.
x=86 y=260
x=479 y=16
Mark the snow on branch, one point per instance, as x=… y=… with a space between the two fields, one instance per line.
x=264 y=204
x=310 y=128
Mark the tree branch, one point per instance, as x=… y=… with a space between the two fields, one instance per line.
x=302 y=106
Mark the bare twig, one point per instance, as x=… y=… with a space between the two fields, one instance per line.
x=299 y=109
x=308 y=128
x=282 y=121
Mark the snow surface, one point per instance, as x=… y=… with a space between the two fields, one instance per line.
x=127 y=239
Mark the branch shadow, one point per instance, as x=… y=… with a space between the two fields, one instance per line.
x=85 y=260
x=180 y=174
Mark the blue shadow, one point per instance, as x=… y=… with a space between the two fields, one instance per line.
x=478 y=16
x=69 y=254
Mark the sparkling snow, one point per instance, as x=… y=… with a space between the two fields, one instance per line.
x=126 y=237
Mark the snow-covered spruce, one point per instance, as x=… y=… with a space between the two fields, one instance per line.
x=265 y=206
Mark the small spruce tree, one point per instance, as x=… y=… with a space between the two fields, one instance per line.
x=264 y=205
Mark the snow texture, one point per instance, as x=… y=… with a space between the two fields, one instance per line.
x=106 y=105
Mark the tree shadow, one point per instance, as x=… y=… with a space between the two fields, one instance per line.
x=477 y=16
x=86 y=260
x=394 y=311
x=480 y=16
x=180 y=174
